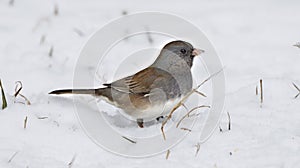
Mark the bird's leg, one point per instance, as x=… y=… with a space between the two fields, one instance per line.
x=140 y=123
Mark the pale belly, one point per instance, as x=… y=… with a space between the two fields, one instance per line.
x=154 y=111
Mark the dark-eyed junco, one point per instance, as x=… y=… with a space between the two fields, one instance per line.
x=153 y=91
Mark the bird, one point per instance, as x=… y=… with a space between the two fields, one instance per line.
x=151 y=92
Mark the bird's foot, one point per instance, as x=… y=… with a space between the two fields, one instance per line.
x=140 y=123
x=160 y=118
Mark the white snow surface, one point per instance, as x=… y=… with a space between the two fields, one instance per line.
x=254 y=40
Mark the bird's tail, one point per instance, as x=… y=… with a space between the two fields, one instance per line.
x=75 y=91
x=102 y=92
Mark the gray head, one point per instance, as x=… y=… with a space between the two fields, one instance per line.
x=182 y=49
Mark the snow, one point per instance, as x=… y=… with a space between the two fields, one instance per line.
x=254 y=40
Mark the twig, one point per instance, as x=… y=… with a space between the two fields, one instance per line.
x=188 y=113
x=168 y=154
x=261 y=91
x=43 y=38
x=200 y=93
x=42 y=118
x=186 y=129
x=194 y=115
x=229 y=121
x=297 y=95
x=19 y=102
x=78 y=32
x=169 y=117
x=182 y=102
x=198 y=148
x=18 y=88
x=4 y=102
x=297 y=89
x=221 y=130
x=56 y=10
x=25 y=98
x=50 y=54
x=124 y=12
x=297 y=45
x=25 y=122
x=207 y=79
x=183 y=105
x=256 y=91
x=12 y=157
x=132 y=141
x=149 y=37
x=72 y=161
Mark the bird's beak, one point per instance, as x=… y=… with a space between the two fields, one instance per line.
x=196 y=52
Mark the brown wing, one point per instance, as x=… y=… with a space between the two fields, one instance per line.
x=142 y=82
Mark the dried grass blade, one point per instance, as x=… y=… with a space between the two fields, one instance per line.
x=4 y=102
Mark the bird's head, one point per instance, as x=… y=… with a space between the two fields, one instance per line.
x=182 y=49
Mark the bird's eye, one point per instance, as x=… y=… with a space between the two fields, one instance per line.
x=183 y=51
